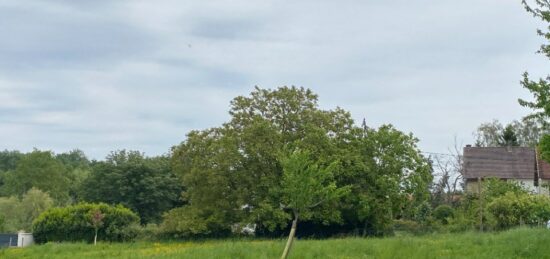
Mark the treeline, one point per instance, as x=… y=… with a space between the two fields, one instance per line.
x=227 y=179
x=233 y=180
x=32 y=182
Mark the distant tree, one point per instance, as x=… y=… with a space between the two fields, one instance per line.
x=305 y=186
x=8 y=162
x=74 y=159
x=33 y=203
x=449 y=170
x=9 y=211
x=78 y=167
x=525 y=133
x=9 y=159
x=41 y=170
x=508 y=137
x=18 y=214
x=488 y=134
x=145 y=185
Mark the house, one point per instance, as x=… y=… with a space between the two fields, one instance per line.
x=518 y=164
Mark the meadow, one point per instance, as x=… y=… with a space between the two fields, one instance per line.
x=517 y=243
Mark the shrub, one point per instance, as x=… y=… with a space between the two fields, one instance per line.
x=423 y=212
x=73 y=223
x=443 y=213
x=186 y=222
x=514 y=209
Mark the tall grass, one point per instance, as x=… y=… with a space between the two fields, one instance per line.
x=518 y=243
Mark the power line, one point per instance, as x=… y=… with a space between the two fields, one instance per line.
x=435 y=153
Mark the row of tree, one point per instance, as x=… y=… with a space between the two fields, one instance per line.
x=224 y=178
x=42 y=179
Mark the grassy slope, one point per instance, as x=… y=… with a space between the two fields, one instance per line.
x=520 y=243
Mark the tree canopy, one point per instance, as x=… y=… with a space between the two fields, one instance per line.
x=232 y=174
x=145 y=185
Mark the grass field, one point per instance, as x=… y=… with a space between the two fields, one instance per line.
x=519 y=243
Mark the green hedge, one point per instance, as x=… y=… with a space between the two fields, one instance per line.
x=73 y=223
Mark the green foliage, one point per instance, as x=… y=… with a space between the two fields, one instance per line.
x=539 y=89
x=544 y=148
x=185 y=222
x=41 y=170
x=2 y=224
x=9 y=159
x=306 y=185
x=74 y=159
x=232 y=173
x=391 y=178
x=423 y=212
x=443 y=213
x=18 y=214
x=525 y=133
x=9 y=211
x=494 y=188
x=509 y=137
x=145 y=185
x=33 y=203
x=513 y=209
x=74 y=223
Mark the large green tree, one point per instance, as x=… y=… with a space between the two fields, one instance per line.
x=145 y=185
x=232 y=174
x=390 y=178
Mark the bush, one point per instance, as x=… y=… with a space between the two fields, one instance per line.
x=443 y=213
x=188 y=222
x=149 y=232
x=73 y=223
x=517 y=209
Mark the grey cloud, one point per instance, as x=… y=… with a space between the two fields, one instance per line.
x=37 y=39
x=104 y=75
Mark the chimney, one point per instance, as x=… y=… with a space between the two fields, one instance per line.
x=468 y=145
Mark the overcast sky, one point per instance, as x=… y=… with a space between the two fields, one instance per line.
x=107 y=75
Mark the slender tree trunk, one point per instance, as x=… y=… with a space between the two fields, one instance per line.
x=95 y=237
x=290 y=237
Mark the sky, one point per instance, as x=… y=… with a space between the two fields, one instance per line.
x=107 y=75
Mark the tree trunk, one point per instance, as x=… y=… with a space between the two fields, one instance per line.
x=290 y=237
x=95 y=238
